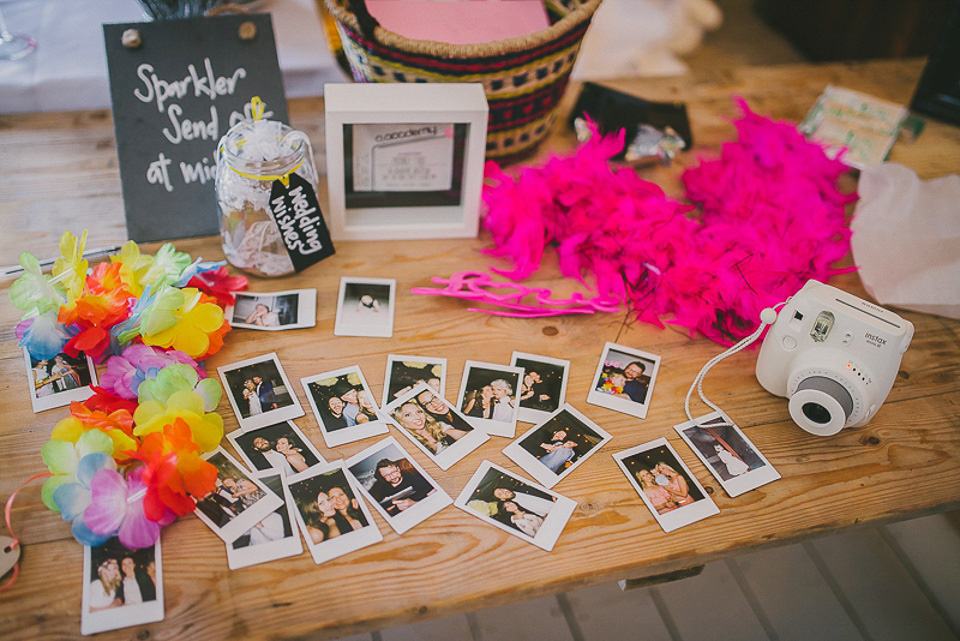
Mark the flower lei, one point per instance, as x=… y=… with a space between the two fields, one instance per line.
x=128 y=460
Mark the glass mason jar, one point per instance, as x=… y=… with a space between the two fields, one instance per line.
x=250 y=157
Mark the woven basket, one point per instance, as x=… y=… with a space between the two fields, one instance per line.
x=524 y=77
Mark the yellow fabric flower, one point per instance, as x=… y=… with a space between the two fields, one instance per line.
x=71 y=428
x=206 y=428
x=134 y=266
x=70 y=269
x=197 y=318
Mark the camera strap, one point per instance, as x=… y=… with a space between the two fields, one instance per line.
x=767 y=317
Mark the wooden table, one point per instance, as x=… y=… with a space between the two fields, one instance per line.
x=59 y=171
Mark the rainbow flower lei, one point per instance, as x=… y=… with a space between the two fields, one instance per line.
x=128 y=460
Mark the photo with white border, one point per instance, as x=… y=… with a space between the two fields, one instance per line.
x=488 y=396
x=118 y=593
x=624 y=380
x=273 y=311
x=665 y=484
x=543 y=389
x=556 y=447
x=237 y=502
x=259 y=392
x=434 y=425
x=365 y=307
x=60 y=380
x=725 y=450
x=273 y=537
x=281 y=447
x=518 y=507
x=331 y=514
x=398 y=488
x=344 y=406
x=404 y=372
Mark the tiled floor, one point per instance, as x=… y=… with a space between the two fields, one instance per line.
x=898 y=582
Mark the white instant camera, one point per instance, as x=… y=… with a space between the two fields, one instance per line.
x=835 y=356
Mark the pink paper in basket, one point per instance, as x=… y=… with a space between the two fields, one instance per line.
x=460 y=21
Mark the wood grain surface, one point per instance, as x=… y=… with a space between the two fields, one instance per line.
x=58 y=171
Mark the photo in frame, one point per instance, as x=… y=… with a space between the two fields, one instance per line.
x=365 y=307
x=624 y=380
x=516 y=506
x=273 y=311
x=665 y=484
x=722 y=446
x=330 y=512
x=281 y=447
x=489 y=396
x=550 y=451
x=59 y=381
x=405 y=160
x=272 y=537
x=543 y=389
x=237 y=502
x=121 y=587
x=259 y=392
x=434 y=425
x=344 y=407
x=405 y=372
x=398 y=488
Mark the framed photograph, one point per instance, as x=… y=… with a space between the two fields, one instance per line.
x=259 y=392
x=543 y=389
x=624 y=380
x=434 y=425
x=121 y=587
x=729 y=455
x=330 y=512
x=273 y=537
x=516 y=506
x=938 y=92
x=292 y=309
x=365 y=307
x=59 y=381
x=237 y=502
x=344 y=406
x=489 y=396
x=405 y=160
x=405 y=372
x=399 y=489
x=668 y=488
x=553 y=449
x=281 y=447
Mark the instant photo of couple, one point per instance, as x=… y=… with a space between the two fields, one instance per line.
x=282 y=447
x=122 y=587
x=259 y=392
x=489 y=395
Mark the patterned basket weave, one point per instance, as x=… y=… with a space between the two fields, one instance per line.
x=524 y=77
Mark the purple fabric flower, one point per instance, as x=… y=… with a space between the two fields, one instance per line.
x=139 y=363
x=116 y=508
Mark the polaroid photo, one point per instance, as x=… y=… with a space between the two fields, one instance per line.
x=434 y=425
x=399 y=489
x=259 y=392
x=543 y=389
x=273 y=311
x=365 y=307
x=727 y=452
x=281 y=447
x=60 y=380
x=553 y=449
x=665 y=484
x=506 y=501
x=344 y=406
x=121 y=587
x=488 y=396
x=273 y=537
x=624 y=380
x=405 y=372
x=330 y=512
x=238 y=501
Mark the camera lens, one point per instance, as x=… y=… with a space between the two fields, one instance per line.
x=816 y=412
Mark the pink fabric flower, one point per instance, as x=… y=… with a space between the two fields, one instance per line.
x=116 y=509
x=139 y=363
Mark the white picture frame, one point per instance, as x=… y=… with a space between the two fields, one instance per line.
x=435 y=112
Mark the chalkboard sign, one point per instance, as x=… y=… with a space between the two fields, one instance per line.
x=297 y=213
x=174 y=94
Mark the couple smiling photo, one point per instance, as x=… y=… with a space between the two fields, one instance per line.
x=281 y=446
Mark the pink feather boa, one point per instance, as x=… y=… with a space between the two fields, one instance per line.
x=771 y=217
